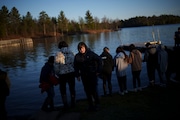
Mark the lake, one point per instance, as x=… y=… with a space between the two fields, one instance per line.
x=23 y=63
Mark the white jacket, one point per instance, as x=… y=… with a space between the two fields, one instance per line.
x=120 y=64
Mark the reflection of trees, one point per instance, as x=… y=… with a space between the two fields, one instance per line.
x=13 y=56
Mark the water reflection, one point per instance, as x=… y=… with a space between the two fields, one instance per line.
x=23 y=63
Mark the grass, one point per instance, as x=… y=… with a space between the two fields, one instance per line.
x=153 y=103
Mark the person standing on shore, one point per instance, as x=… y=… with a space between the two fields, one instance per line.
x=135 y=59
x=121 y=64
x=88 y=66
x=4 y=92
x=46 y=84
x=108 y=66
x=150 y=57
x=177 y=38
x=64 y=69
x=162 y=63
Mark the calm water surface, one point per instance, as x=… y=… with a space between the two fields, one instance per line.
x=23 y=63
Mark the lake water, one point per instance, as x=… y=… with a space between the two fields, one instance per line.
x=23 y=63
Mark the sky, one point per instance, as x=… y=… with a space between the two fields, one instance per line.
x=111 y=9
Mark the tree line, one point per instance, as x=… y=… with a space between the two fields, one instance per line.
x=13 y=25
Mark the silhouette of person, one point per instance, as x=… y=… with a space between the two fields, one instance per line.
x=108 y=66
x=135 y=59
x=150 y=57
x=64 y=68
x=177 y=38
x=162 y=63
x=46 y=85
x=4 y=92
x=121 y=64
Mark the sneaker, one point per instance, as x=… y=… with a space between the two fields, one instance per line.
x=135 y=90
x=125 y=91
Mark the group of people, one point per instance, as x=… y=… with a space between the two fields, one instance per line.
x=87 y=66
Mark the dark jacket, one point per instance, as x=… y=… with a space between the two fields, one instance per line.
x=107 y=62
x=150 y=56
x=87 y=63
x=4 y=89
x=46 y=70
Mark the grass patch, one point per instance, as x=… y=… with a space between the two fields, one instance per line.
x=150 y=104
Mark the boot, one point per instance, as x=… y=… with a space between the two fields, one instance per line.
x=72 y=101
x=51 y=104
x=64 y=99
x=45 y=105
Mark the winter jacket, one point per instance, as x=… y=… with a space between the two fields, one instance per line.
x=46 y=70
x=150 y=56
x=64 y=61
x=87 y=63
x=107 y=62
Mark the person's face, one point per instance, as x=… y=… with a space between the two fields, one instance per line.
x=82 y=50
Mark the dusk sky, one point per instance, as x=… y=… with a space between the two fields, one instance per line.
x=112 y=9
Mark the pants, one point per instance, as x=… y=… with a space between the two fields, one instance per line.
x=63 y=80
x=122 y=83
x=136 y=78
x=90 y=87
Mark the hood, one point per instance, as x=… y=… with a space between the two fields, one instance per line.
x=64 y=50
x=135 y=51
x=152 y=50
x=120 y=55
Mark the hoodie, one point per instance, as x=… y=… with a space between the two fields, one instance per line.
x=136 y=57
x=120 y=64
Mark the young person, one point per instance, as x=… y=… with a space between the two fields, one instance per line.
x=46 y=84
x=64 y=68
x=108 y=66
x=135 y=59
x=87 y=66
x=150 y=57
x=121 y=64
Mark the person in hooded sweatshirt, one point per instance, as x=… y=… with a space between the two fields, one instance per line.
x=150 y=57
x=88 y=66
x=135 y=59
x=121 y=64
x=46 y=85
x=162 y=63
x=64 y=69
x=108 y=66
